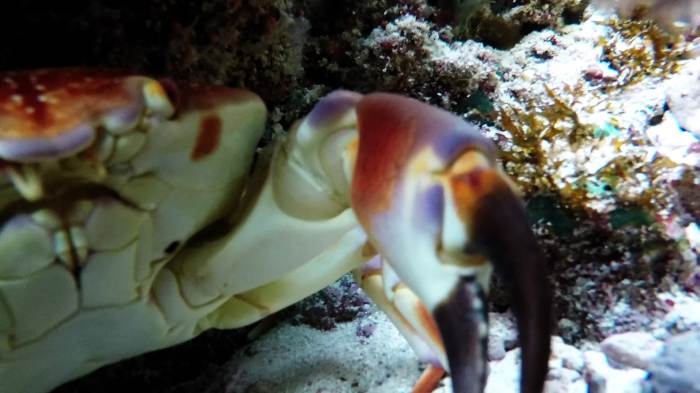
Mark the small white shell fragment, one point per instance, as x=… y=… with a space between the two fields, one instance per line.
x=41 y=301
x=21 y=239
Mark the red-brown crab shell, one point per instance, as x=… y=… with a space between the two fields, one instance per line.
x=51 y=113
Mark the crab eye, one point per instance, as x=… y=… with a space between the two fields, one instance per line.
x=173 y=93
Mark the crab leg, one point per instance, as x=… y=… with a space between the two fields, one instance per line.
x=427 y=191
x=396 y=301
x=408 y=315
x=253 y=305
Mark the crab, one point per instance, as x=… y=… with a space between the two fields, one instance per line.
x=137 y=213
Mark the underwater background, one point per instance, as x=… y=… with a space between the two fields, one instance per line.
x=597 y=117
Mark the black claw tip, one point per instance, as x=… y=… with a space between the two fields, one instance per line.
x=463 y=323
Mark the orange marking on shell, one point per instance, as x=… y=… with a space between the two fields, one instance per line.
x=208 y=137
x=471 y=187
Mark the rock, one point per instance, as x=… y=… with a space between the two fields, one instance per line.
x=502 y=335
x=684 y=316
x=496 y=350
x=632 y=349
x=565 y=369
x=671 y=141
x=504 y=375
x=565 y=356
x=683 y=97
x=564 y=381
x=564 y=375
x=603 y=378
x=676 y=369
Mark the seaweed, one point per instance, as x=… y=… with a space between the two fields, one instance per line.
x=640 y=49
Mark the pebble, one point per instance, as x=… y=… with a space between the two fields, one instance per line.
x=502 y=335
x=565 y=375
x=684 y=316
x=673 y=142
x=565 y=356
x=601 y=377
x=632 y=349
x=683 y=97
x=676 y=369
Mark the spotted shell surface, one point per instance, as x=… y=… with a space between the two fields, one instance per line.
x=45 y=113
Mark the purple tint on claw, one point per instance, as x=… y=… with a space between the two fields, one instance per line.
x=448 y=134
x=433 y=360
x=123 y=119
x=463 y=136
x=430 y=208
x=38 y=149
x=332 y=107
x=372 y=265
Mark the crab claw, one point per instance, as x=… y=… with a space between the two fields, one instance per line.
x=428 y=192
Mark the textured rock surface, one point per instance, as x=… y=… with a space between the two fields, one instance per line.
x=502 y=335
x=683 y=315
x=603 y=378
x=676 y=369
x=684 y=98
x=565 y=375
x=631 y=349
